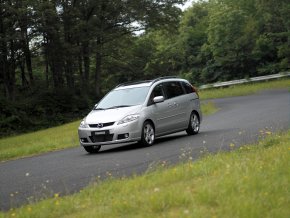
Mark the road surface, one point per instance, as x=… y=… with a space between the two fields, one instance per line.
x=239 y=121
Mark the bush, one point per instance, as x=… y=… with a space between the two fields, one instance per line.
x=41 y=109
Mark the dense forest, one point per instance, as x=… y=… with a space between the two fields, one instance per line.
x=58 y=57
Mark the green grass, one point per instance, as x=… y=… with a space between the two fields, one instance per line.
x=208 y=108
x=252 y=181
x=244 y=89
x=39 y=142
x=66 y=136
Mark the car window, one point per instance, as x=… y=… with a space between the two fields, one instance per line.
x=187 y=87
x=124 y=97
x=173 y=89
x=157 y=91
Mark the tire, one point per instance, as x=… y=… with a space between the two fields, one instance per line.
x=194 y=124
x=148 y=134
x=92 y=149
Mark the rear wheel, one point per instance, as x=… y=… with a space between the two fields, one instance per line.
x=148 y=134
x=92 y=149
x=194 y=124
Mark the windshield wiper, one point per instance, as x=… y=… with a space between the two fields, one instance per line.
x=118 y=106
x=99 y=109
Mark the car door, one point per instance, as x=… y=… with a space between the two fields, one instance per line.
x=176 y=103
x=160 y=112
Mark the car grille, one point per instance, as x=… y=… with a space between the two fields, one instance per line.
x=103 y=125
x=102 y=138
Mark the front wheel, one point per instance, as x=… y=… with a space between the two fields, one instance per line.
x=92 y=149
x=194 y=124
x=148 y=134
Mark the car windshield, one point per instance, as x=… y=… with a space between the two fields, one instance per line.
x=123 y=98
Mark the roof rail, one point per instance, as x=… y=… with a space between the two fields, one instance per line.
x=133 y=83
x=146 y=81
x=163 y=77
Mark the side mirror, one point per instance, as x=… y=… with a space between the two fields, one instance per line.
x=158 y=99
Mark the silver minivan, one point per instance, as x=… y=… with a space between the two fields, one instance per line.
x=142 y=111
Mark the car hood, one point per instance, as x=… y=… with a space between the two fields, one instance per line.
x=111 y=115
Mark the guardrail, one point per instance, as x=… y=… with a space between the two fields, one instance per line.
x=241 y=81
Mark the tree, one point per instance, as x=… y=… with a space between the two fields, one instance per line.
x=192 y=36
x=231 y=37
x=9 y=39
x=25 y=21
x=274 y=35
x=115 y=19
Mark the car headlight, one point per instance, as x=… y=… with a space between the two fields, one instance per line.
x=84 y=124
x=129 y=118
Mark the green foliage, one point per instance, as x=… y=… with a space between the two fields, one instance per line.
x=229 y=43
x=231 y=39
x=222 y=40
x=192 y=36
x=42 y=109
x=86 y=47
x=73 y=49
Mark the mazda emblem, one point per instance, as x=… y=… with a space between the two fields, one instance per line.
x=99 y=125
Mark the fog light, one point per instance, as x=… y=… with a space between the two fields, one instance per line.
x=84 y=140
x=123 y=136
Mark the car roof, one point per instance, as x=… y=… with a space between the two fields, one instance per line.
x=146 y=82
x=134 y=85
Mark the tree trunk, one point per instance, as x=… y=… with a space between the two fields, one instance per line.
x=3 y=52
x=24 y=81
x=7 y=68
x=46 y=60
x=23 y=23
x=86 y=59
x=54 y=44
x=10 y=85
x=98 y=67
x=69 y=48
x=80 y=67
x=56 y=60
x=57 y=71
x=28 y=61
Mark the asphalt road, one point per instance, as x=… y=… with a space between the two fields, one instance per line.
x=239 y=121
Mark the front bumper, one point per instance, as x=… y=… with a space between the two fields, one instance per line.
x=114 y=134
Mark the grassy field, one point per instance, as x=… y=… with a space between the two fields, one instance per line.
x=251 y=181
x=66 y=136
x=39 y=142
x=244 y=89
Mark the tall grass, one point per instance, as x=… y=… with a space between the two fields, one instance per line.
x=252 y=181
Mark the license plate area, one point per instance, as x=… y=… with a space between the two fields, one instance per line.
x=101 y=136
x=97 y=133
x=100 y=133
